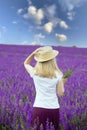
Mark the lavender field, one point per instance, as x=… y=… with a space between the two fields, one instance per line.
x=17 y=89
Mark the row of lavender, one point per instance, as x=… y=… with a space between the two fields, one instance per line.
x=17 y=90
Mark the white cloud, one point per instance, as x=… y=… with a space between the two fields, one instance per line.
x=35 y=14
x=71 y=4
x=55 y=21
x=25 y=42
x=4 y=28
x=39 y=15
x=52 y=16
x=63 y=24
x=50 y=11
x=39 y=36
x=39 y=27
x=20 y=11
x=70 y=15
x=61 y=37
x=48 y=27
x=29 y=2
x=15 y=22
x=34 y=43
x=32 y=10
x=26 y=16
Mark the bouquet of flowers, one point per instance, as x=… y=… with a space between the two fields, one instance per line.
x=67 y=74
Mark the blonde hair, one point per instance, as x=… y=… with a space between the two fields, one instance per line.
x=47 y=68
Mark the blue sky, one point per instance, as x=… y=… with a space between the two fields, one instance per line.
x=43 y=22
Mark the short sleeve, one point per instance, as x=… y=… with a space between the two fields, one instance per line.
x=59 y=76
x=29 y=69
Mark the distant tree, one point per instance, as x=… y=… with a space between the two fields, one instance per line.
x=74 y=46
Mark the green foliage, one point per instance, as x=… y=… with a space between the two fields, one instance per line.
x=31 y=128
x=4 y=127
x=61 y=127
x=68 y=73
x=79 y=121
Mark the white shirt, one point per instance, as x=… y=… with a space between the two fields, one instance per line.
x=46 y=96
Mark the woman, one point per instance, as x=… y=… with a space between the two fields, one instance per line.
x=49 y=84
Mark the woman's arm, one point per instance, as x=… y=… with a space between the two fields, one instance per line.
x=27 y=65
x=29 y=58
x=27 y=62
x=60 y=88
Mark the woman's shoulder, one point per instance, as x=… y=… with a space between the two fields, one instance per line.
x=59 y=74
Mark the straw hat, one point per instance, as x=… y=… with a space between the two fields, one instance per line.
x=45 y=53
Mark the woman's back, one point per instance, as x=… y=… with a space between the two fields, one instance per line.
x=46 y=92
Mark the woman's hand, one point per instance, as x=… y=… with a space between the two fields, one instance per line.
x=30 y=57
x=36 y=51
x=65 y=80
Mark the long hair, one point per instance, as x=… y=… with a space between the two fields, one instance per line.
x=47 y=68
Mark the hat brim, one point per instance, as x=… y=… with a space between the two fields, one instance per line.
x=52 y=56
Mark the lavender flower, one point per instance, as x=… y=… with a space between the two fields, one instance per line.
x=17 y=92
